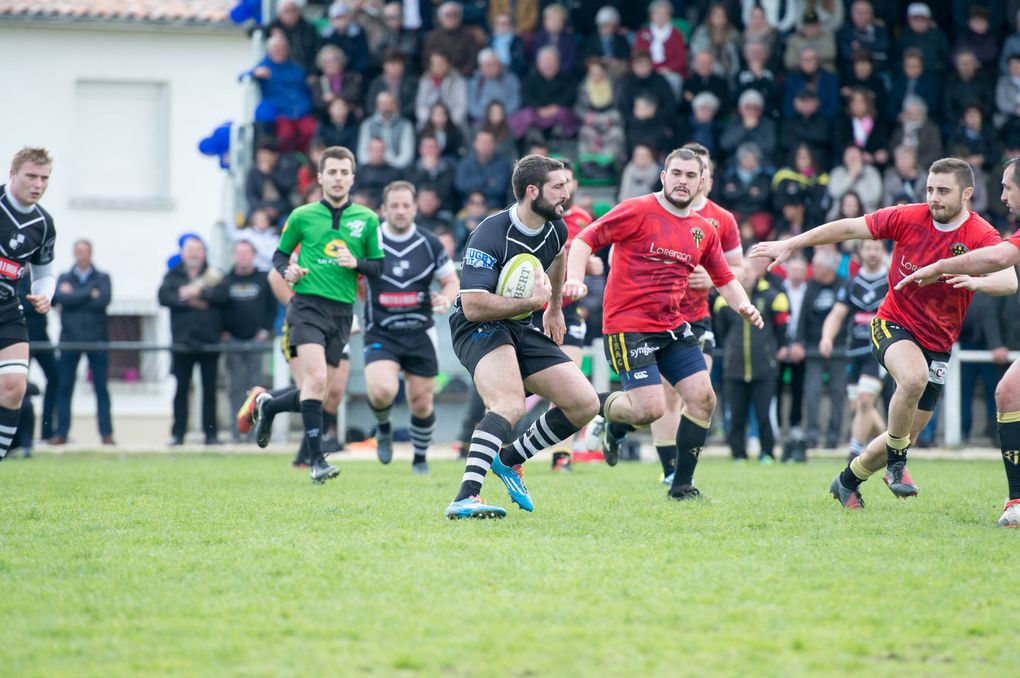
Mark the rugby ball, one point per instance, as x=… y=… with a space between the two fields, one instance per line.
x=517 y=279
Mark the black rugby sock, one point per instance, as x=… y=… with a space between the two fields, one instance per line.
x=311 y=416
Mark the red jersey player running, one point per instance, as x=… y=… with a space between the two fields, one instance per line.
x=657 y=243
x=914 y=329
x=1005 y=255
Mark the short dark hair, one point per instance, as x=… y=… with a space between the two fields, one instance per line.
x=1014 y=162
x=685 y=154
x=567 y=165
x=960 y=170
x=337 y=153
x=532 y=170
x=399 y=186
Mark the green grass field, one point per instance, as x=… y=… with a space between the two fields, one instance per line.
x=204 y=565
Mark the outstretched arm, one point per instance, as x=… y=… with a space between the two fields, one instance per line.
x=998 y=284
x=978 y=262
x=736 y=296
x=826 y=234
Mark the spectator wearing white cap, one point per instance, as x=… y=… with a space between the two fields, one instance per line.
x=922 y=33
x=346 y=33
x=864 y=31
x=607 y=42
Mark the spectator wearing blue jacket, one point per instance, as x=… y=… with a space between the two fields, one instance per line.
x=491 y=82
x=83 y=293
x=286 y=95
x=484 y=172
x=811 y=75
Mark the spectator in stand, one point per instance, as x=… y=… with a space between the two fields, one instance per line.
x=507 y=45
x=441 y=84
x=811 y=35
x=905 y=177
x=830 y=14
x=1007 y=93
x=308 y=172
x=601 y=138
x=979 y=38
x=1011 y=47
x=982 y=330
x=718 y=36
x=810 y=75
x=647 y=127
x=704 y=79
x=818 y=301
x=782 y=16
x=857 y=176
x=449 y=135
x=554 y=32
x=792 y=360
x=249 y=311
x=374 y=173
x=862 y=76
x=863 y=127
x=346 y=33
x=433 y=171
x=334 y=82
x=83 y=293
x=643 y=79
x=640 y=175
x=431 y=216
x=751 y=125
x=745 y=190
x=608 y=43
x=967 y=86
x=522 y=13
x=547 y=98
x=792 y=214
x=758 y=29
x=396 y=38
x=368 y=17
x=495 y=121
x=664 y=43
x=759 y=77
x=386 y=124
x=284 y=90
x=268 y=185
x=492 y=83
x=702 y=125
x=301 y=35
x=917 y=131
x=258 y=230
x=476 y=208
x=483 y=171
x=914 y=82
x=189 y=291
x=340 y=128
x=808 y=125
x=804 y=182
x=864 y=31
x=397 y=81
x=920 y=32
x=459 y=43
x=979 y=145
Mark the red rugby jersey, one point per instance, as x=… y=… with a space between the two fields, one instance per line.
x=933 y=314
x=695 y=302
x=654 y=251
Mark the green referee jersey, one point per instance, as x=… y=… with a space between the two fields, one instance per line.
x=322 y=231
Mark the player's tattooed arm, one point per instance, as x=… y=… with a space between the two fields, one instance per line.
x=826 y=234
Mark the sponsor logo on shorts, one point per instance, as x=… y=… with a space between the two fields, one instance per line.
x=376 y=346
x=937 y=372
x=643 y=349
x=479 y=259
x=643 y=374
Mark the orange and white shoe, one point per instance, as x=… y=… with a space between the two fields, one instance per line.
x=1010 y=514
x=244 y=415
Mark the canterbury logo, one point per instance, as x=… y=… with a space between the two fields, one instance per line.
x=1012 y=456
x=696 y=452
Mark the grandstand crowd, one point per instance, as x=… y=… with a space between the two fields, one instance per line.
x=811 y=110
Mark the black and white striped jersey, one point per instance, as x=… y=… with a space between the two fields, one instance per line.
x=500 y=238
x=400 y=299
x=863 y=294
x=26 y=237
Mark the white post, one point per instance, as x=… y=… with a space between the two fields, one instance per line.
x=281 y=379
x=951 y=403
x=599 y=367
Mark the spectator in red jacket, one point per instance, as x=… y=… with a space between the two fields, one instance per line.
x=664 y=42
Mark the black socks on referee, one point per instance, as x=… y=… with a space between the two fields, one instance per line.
x=1009 y=442
x=690 y=439
x=8 y=427
x=549 y=430
x=311 y=416
x=486 y=441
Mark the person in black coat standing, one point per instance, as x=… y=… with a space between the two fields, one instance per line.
x=83 y=293
x=189 y=290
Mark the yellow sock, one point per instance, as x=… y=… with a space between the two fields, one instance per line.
x=857 y=468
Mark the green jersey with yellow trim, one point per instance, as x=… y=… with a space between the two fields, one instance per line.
x=323 y=232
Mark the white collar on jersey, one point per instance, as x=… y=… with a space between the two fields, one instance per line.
x=392 y=235
x=520 y=225
x=954 y=224
x=699 y=204
x=17 y=205
x=670 y=207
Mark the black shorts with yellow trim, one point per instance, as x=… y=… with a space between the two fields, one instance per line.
x=885 y=333
x=13 y=329
x=573 y=316
x=643 y=358
x=289 y=350
x=317 y=320
x=704 y=334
